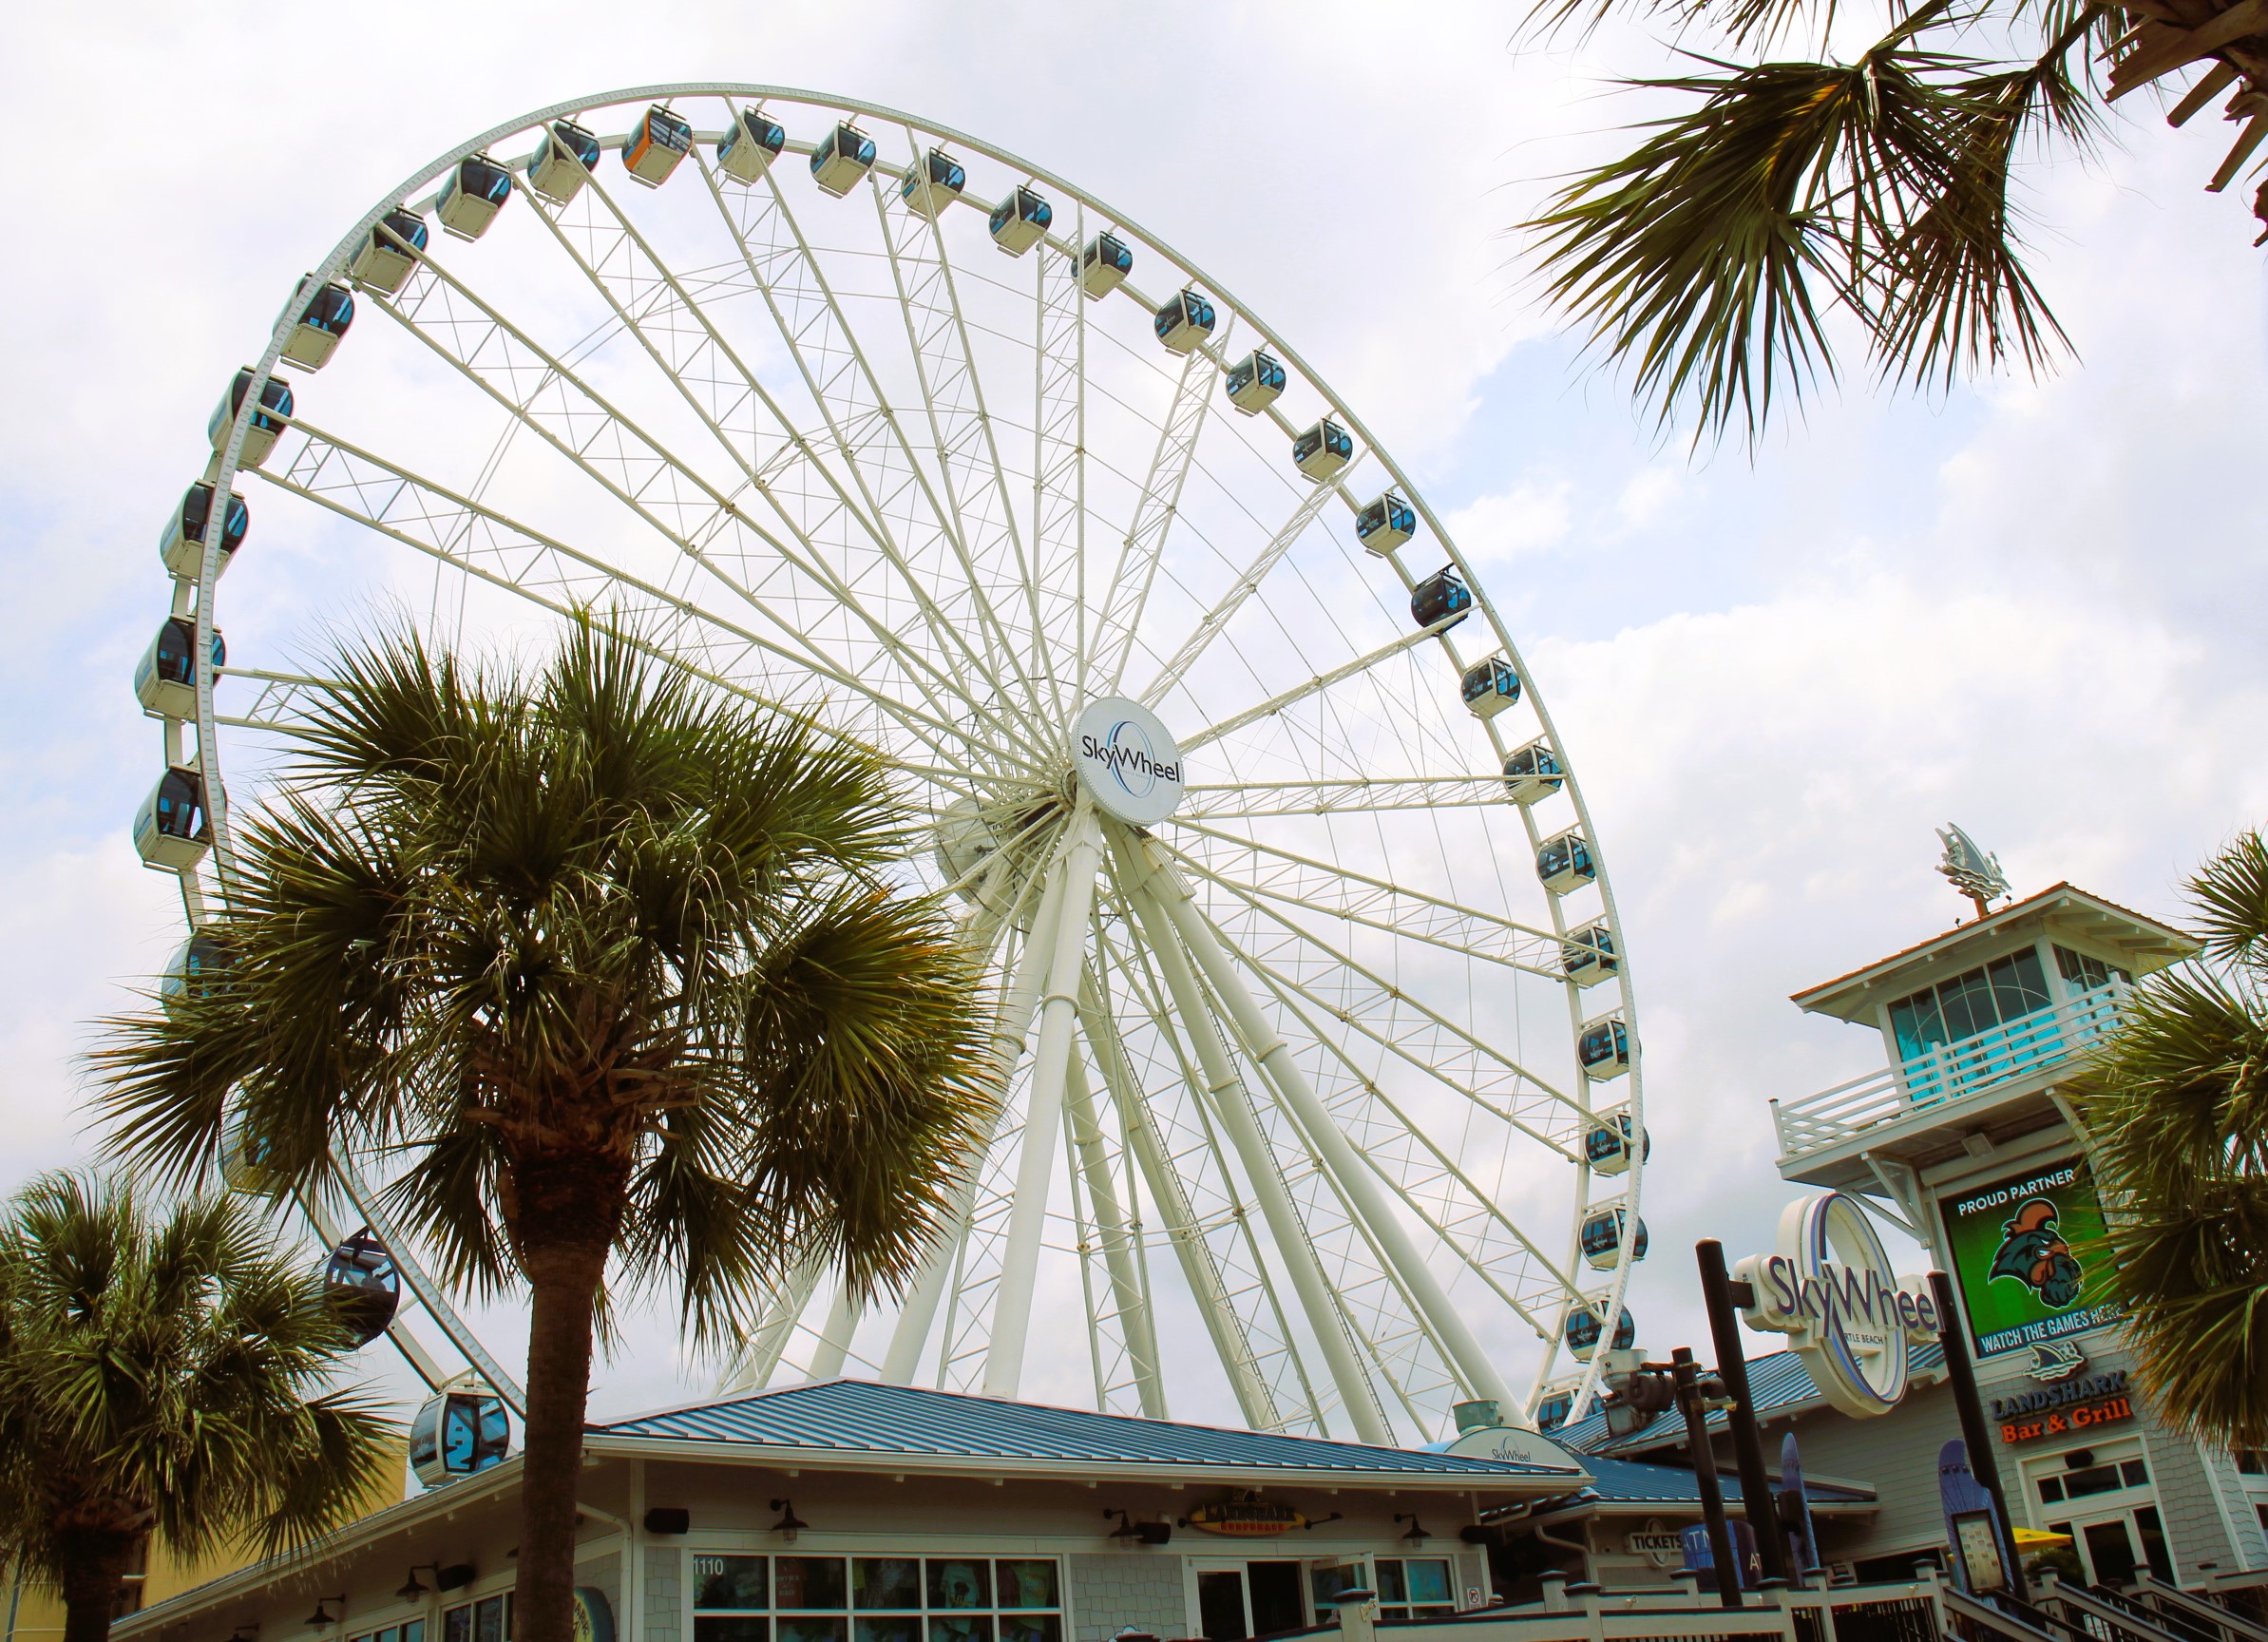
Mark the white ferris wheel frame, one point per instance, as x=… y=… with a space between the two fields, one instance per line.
x=1059 y=999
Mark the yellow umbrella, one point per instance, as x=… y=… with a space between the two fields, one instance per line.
x=2032 y=1539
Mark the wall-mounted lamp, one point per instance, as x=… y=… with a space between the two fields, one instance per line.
x=1417 y=1534
x=790 y=1524
x=455 y=1577
x=413 y=1587
x=1316 y=1522
x=322 y=1618
x=1139 y=1533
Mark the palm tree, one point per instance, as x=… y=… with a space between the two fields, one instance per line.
x=161 y=1376
x=2176 y=1112
x=610 y=958
x=1706 y=261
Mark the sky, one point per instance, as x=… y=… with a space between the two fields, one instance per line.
x=2034 y=608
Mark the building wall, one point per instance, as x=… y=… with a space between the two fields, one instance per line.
x=665 y=1592
x=1109 y=1592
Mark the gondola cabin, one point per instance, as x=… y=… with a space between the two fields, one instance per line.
x=1386 y=524
x=1585 y=1330
x=1588 y=957
x=462 y=1430
x=1601 y=1238
x=1018 y=222
x=1104 y=265
x=181 y=544
x=843 y=155
x=192 y=968
x=1555 y=1405
x=932 y=183
x=745 y=153
x=1186 y=320
x=1532 y=773
x=1439 y=596
x=1253 y=382
x=1322 y=450
x=1490 y=686
x=656 y=145
x=166 y=682
x=169 y=829
x=324 y=315
x=563 y=162
x=1564 y=862
x=477 y=191
x=1603 y=1048
x=267 y=418
x=363 y=1285
x=244 y=1162
x=396 y=241
x=1607 y=1148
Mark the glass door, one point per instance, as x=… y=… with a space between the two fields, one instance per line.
x=1256 y=1597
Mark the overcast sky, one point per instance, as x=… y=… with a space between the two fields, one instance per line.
x=2036 y=609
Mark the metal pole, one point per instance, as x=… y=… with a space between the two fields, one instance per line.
x=1975 y=1433
x=1686 y=1375
x=1747 y=1442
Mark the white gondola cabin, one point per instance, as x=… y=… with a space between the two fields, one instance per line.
x=363 y=1286
x=1442 y=594
x=180 y=543
x=1556 y=1405
x=1255 y=381
x=195 y=964
x=563 y=162
x=1322 y=449
x=745 y=153
x=658 y=143
x=932 y=183
x=1603 y=1048
x=169 y=829
x=1386 y=524
x=1489 y=686
x=1018 y=222
x=166 y=682
x=1607 y=1148
x=1104 y=265
x=1185 y=320
x=477 y=190
x=1589 y=956
x=1585 y=1328
x=1564 y=862
x=325 y=311
x=462 y=1430
x=391 y=250
x=1602 y=1239
x=267 y=417
x=1532 y=773
x=843 y=155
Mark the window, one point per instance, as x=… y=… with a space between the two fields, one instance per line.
x=2085 y=972
x=2252 y=1462
x=2051 y=1490
x=414 y=1631
x=1414 y=1587
x=2099 y=1480
x=876 y=1599
x=2004 y=990
x=487 y=1620
x=1326 y=1580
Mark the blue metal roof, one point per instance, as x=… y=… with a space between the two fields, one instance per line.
x=1634 y=1482
x=1777 y=1382
x=865 y=1417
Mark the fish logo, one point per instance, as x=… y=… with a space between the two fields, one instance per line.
x=2053 y=1359
x=2033 y=1252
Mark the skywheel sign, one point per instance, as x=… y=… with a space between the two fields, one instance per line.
x=1831 y=1289
x=1127 y=762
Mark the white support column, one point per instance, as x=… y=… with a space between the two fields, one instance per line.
x=1354 y=1176
x=834 y=1336
x=634 y=1559
x=1043 y=1107
x=1117 y=1242
x=919 y=1314
x=1231 y=1102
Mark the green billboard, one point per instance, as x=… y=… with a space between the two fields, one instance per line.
x=2026 y=1254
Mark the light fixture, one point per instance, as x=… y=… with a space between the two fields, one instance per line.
x=790 y=1524
x=1417 y=1534
x=413 y=1587
x=322 y=1618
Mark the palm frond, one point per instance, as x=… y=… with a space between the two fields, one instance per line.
x=2231 y=898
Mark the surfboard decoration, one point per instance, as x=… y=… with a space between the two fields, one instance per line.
x=1972 y=1527
x=1246 y=1517
x=1795 y=1508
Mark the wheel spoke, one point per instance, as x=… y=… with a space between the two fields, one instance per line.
x=1144 y=547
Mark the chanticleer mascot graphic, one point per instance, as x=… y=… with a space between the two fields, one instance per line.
x=2033 y=1252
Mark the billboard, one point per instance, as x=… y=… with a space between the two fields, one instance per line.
x=2027 y=1257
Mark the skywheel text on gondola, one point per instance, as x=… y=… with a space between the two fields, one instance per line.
x=1295 y=917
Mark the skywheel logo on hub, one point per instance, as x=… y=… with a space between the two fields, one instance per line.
x=1126 y=760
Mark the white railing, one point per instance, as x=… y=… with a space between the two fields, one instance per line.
x=2015 y=1049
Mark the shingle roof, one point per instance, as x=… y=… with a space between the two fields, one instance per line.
x=863 y=1417
x=1777 y=1382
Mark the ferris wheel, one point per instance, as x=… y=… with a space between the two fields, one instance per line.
x=1313 y=1008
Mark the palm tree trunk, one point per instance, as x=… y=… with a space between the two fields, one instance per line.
x=94 y=1573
